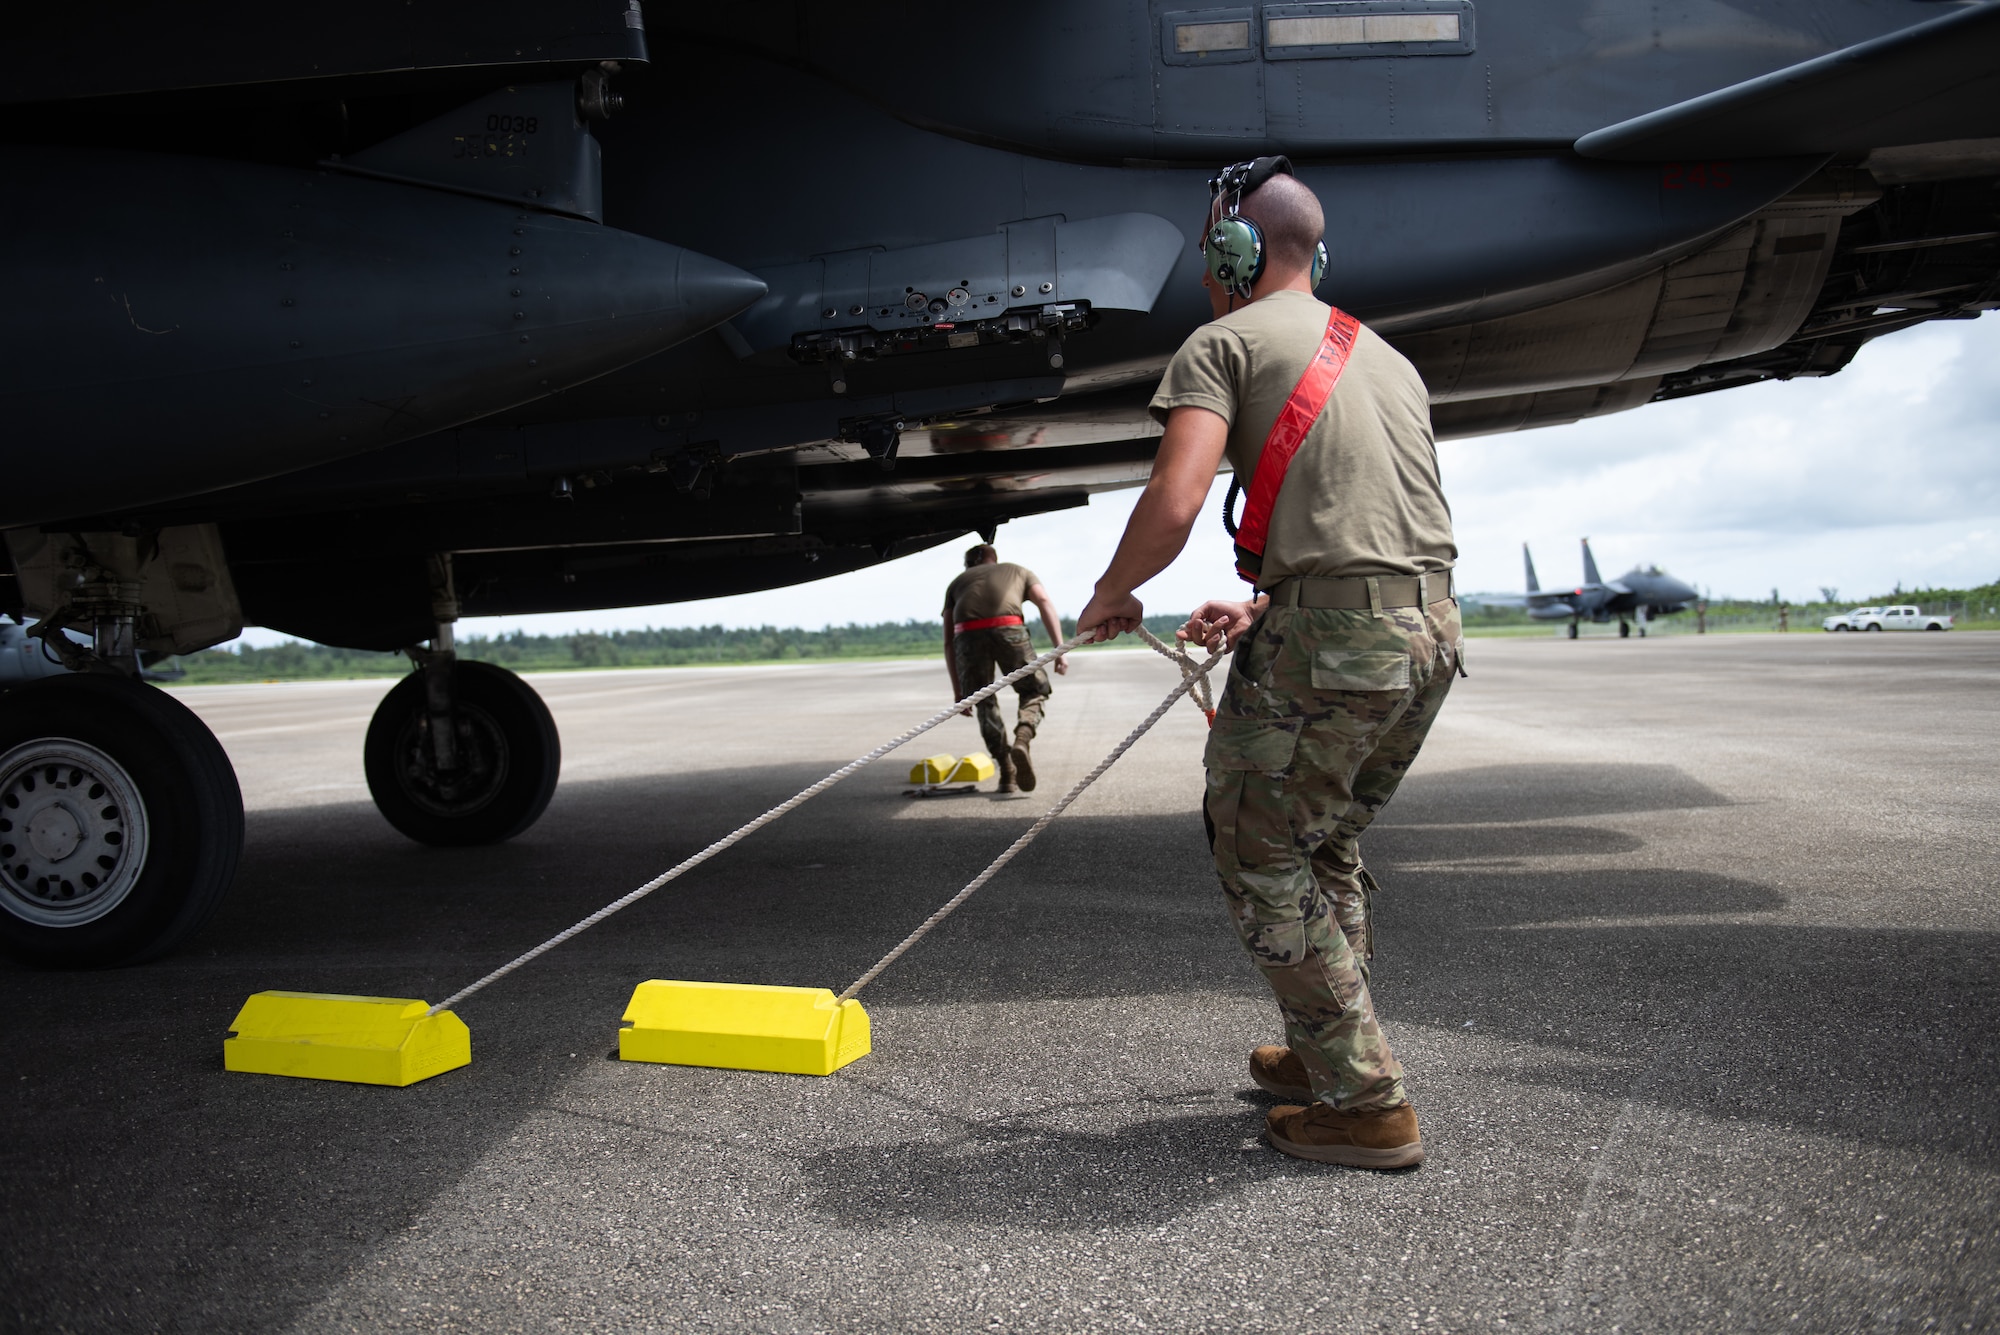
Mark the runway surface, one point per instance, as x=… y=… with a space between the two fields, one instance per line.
x=1688 y=944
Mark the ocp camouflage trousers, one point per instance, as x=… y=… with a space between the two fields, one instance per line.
x=980 y=654
x=1323 y=714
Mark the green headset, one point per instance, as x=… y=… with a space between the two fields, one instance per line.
x=1233 y=245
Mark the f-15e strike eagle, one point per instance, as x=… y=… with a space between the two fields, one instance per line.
x=351 y=321
x=1637 y=595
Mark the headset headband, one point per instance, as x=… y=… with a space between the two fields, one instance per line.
x=1244 y=178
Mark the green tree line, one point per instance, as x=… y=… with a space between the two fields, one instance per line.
x=653 y=647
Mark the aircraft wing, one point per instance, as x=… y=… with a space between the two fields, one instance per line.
x=1936 y=81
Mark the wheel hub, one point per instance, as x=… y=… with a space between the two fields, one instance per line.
x=54 y=832
x=483 y=762
x=72 y=832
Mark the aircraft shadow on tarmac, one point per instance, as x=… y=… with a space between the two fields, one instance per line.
x=1024 y=1174
x=1616 y=982
x=1792 y=1029
x=1125 y=905
x=817 y=895
x=1545 y=791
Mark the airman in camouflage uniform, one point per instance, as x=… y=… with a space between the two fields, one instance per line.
x=985 y=633
x=1343 y=653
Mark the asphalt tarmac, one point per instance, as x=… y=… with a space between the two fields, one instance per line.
x=1688 y=944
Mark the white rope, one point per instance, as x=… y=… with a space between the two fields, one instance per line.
x=1193 y=673
x=743 y=831
x=1179 y=656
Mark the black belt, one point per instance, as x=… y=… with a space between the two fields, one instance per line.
x=1362 y=592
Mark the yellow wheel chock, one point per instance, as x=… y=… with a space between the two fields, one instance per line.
x=793 y=1030
x=932 y=773
x=366 y=1040
x=975 y=768
x=932 y=769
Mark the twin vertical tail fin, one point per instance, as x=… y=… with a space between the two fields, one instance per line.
x=1528 y=559
x=1590 y=575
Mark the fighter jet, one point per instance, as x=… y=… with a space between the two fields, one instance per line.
x=1637 y=595
x=350 y=323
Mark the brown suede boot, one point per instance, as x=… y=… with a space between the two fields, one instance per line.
x=1370 y=1138
x=1278 y=1071
x=1007 y=783
x=1024 y=767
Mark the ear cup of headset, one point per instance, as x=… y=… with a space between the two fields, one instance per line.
x=1235 y=253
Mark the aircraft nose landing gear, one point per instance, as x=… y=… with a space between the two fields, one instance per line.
x=459 y=752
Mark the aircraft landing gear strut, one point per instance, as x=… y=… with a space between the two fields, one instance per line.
x=458 y=752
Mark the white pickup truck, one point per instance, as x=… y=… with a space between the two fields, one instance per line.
x=1904 y=617
x=1846 y=620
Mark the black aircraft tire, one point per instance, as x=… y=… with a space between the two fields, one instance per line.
x=68 y=747
x=1572 y=630
x=504 y=729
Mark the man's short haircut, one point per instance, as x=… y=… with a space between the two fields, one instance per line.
x=1289 y=214
x=980 y=555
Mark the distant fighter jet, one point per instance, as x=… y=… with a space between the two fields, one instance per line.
x=1637 y=594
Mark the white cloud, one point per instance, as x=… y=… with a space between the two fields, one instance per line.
x=1885 y=473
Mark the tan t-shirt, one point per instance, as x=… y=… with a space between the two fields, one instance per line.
x=997 y=589
x=1362 y=496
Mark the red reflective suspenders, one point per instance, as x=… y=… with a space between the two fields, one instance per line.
x=1296 y=418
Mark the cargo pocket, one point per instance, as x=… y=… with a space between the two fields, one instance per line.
x=1263 y=745
x=1360 y=670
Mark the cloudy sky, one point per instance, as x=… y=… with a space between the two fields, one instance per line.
x=1888 y=472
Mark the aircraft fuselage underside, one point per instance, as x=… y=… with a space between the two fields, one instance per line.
x=939 y=316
